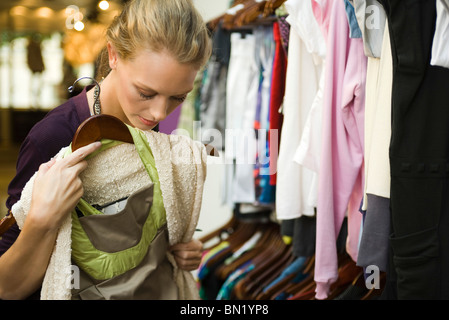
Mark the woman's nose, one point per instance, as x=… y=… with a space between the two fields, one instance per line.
x=158 y=109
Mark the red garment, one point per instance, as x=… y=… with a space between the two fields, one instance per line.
x=276 y=97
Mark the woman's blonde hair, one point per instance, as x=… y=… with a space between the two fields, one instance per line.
x=172 y=25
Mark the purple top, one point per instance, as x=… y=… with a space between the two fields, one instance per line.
x=43 y=142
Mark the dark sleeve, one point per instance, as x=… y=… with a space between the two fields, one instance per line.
x=29 y=160
x=43 y=142
x=28 y=163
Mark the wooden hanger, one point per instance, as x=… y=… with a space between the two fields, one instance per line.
x=224 y=271
x=252 y=11
x=375 y=293
x=238 y=8
x=100 y=126
x=271 y=272
x=104 y=126
x=271 y=7
x=6 y=223
x=94 y=128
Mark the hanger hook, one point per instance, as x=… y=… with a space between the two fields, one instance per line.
x=72 y=87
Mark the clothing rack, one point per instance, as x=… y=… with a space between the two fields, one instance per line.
x=246 y=14
x=274 y=268
x=249 y=27
x=252 y=261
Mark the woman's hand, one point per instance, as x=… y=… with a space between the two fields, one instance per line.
x=188 y=255
x=58 y=188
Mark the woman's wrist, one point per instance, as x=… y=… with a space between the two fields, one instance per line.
x=40 y=222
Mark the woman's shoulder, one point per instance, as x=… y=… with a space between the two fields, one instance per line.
x=57 y=128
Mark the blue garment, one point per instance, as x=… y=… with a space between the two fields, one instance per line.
x=203 y=270
x=295 y=267
x=265 y=55
x=232 y=279
x=354 y=29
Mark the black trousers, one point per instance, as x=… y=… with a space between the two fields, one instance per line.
x=419 y=156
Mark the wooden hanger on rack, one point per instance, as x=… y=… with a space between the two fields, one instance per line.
x=271 y=6
x=248 y=12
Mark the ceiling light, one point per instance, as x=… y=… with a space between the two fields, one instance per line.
x=103 y=5
x=79 y=26
x=44 y=12
x=18 y=11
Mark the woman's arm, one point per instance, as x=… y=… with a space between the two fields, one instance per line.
x=56 y=191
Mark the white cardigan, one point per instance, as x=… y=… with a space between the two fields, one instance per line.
x=181 y=165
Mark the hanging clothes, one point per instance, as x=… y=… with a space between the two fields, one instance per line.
x=375 y=233
x=305 y=62
x=308 y=152
x=34 y=56
x=371 y=20
x=418 y=156
x=188 y=113
x=301 y=234
x=354 y=29
x=376 y=226
x=265 y=53
x=322 y=12
x=241 y=98
x=284 y=28
x=440 y=45
x=276 y=97
x=341 y=174
x=213 y=88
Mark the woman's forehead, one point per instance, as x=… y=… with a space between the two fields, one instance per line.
x=161 y=72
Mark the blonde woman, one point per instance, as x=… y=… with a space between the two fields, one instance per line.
x=154 y=50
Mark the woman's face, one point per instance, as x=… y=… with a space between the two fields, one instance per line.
x=150 y=86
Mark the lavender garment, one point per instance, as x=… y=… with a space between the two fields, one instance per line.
x=171 y=122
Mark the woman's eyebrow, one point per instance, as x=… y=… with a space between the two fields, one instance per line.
x=148 y=89
x=144 y=88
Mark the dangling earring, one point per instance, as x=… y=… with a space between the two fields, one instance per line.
x=97 y=104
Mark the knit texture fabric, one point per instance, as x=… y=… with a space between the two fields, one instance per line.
x=181 y=166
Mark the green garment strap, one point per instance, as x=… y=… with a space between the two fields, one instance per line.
x=105 y=265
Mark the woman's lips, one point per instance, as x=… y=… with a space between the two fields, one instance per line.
x=148 y=122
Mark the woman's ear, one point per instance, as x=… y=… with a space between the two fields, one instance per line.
x=113 y=56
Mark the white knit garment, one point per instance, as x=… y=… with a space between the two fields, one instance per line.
x=116 y=173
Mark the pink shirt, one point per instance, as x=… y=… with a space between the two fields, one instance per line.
x=322 y=12
x=341 y=177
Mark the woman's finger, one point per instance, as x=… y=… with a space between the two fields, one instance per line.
x=81 y=153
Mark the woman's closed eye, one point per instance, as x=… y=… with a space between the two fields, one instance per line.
x=180 y=99
x=148 y=97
